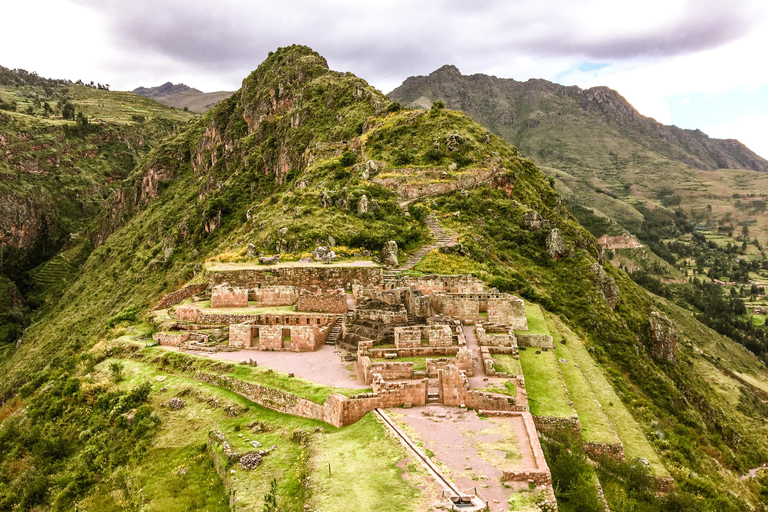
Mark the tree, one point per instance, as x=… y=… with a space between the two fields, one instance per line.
x=68 y=111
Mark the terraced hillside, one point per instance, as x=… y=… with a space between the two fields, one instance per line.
x=290 y=162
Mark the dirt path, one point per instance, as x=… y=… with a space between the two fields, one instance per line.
x=471 y=451
x=322 y=366
x=477 y=360
x=753 y=472
x=442 y=239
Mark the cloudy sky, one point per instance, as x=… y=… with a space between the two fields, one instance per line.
x=692 y=63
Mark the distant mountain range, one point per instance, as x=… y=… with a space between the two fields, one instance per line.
x=180 y=96
x=603 y=153
x=543 y=119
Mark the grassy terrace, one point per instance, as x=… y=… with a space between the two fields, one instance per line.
x=546 y=390
x=536 y=322
x=419 y=363
x=366 y=470
x=257 y=375
x=506 y=363
x=363 y=452
x=595 y=425
x=628 y=430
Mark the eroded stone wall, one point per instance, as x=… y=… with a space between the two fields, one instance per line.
x=171 y=339
x=185 y=292
x=535 y=340
x=303 y=277
x=508 y=310
x=334 y=301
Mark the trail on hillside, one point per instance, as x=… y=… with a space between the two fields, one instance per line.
x=441 y=239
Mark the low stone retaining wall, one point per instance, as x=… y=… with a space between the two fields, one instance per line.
x=171 y=339
x=179 y=295
x=612 y=450
x=545 y=423
x=535 y=340
x=540 y=474
x=303 y=277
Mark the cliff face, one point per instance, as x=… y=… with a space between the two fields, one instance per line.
x=525 y=113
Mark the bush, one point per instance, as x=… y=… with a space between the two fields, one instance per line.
x=127 y=314
x=348 y=158
x=116 y=369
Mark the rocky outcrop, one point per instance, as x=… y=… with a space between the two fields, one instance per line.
x=606 y=285
x=555 y=244
x=533 y=220
x=362 y=205
x=664 y=336
x=389 y=254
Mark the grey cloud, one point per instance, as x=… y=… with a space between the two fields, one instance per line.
x=387 y=41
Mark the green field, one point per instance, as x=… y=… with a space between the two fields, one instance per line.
x=546 y=390
x=507 y=364
x=536 y=323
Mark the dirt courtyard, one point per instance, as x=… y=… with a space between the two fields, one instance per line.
x=470 y=450
x=323 y=366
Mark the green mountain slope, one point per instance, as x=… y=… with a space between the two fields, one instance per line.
x=604 y=154
x=57 y=174
x=297 y=147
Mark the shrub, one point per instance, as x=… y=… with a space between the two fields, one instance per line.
x=116 y=369
x=348 y=158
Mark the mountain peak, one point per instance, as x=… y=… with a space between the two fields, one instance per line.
x=447 y=69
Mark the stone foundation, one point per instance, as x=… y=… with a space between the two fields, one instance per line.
x=612 y=450
x=274 y=295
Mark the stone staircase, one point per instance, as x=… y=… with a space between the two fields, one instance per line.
x=442 y=239
x=433 y=397
x=334 y=333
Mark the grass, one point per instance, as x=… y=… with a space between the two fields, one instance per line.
x=435 y=262
x=508 y=389
x=419 y=363
x=258 y=375
x=626 y=427
x=181 y=438
x=366 y=471
x=595 y=425
x=758 y=320
x=506 y=363
x=536 y=323
x=546 y=390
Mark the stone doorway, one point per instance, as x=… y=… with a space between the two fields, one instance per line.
x=287 y=338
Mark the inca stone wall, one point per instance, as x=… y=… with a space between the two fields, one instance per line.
x=612 y=450
x=169 y=339
x=303 y=277
x=535 y=340
x=186 y=292
x=459 y=307
x=187 y=313
x=328 y=302
x=241 y=335
x=509 y=310
x=229 y=297
x=274 y=295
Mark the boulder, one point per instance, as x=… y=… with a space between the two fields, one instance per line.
x=319 y=252
x=533 y=220
x=342 y=199
x=252 y=251
x=331 y=241
x=664 y=336
x=362 y=205
x=325 y=199
x=329 y=257
x=389 y=254
x=453 y=142
x=606 y=284
x=555 y=244
x=370 y=168
x=282 y=232
x=270 y=260
x=452 y=166
x=175 y=404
